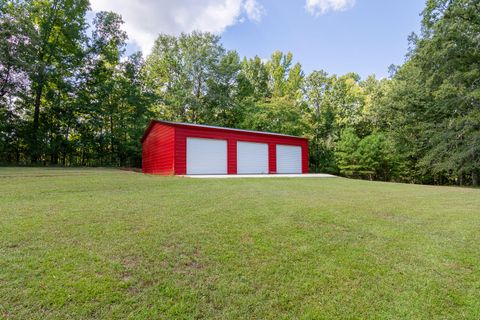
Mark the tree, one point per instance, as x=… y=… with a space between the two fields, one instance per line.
x=278 y=68
x=254 y=79
x=107 y=48
x=180 y=71
x=15 y=57
x=57 y=37
x=372 y=157
x=447 y=55
x=346 y=153
x=437 y=94
x=15 y=34
x=274 y=115
x=223 y=96
x=70 y=96
x=133 y=114
x=377 y=157
x=320 y=120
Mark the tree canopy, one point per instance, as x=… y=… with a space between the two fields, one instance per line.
x=70 y=96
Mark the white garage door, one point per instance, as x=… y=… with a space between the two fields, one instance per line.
x=252 y=157
x=206 y=156
x=289 y=159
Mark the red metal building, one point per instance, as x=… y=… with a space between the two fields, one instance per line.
x=172 y=148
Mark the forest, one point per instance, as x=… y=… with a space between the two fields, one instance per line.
x=70 y=96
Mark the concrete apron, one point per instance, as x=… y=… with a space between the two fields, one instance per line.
x=228 y=176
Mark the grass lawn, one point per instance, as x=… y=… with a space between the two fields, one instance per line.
x=99 y=243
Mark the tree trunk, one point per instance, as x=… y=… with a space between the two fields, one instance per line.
x=65 y=149
x=475 y=178
x=3 y=88
x=17 y=154
x=34 y=150
x=44 y=58
x=54 y=158
x=111 y=140
x=317 y=138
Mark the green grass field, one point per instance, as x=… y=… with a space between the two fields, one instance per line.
x=99 y=243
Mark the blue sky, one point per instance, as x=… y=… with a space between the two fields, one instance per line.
x=365 y=39
x=338 y=36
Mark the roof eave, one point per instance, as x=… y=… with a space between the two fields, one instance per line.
x=225 y=128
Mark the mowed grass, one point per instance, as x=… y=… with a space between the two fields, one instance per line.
x=98 y=243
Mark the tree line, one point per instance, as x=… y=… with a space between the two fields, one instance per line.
x=70 y=96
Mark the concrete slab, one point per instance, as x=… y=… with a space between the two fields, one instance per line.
x=230 y=176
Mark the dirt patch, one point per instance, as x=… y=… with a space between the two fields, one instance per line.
x=189 y=262
x=138 y=170
x=390 y=216
x=247 y=239
x=130 y=262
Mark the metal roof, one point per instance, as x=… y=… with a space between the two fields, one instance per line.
x=225 y=128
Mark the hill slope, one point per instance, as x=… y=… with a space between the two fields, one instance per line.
x=110 y=244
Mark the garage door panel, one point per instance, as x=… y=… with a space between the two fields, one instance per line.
x=206 y=156
x=289 y=159
x=252 y=158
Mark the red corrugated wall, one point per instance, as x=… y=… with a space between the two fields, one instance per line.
x=158 y=149
x=184 y=131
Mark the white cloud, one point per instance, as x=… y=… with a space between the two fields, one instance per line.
x=254 y=10
x=319 y=7
x=145 y=19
